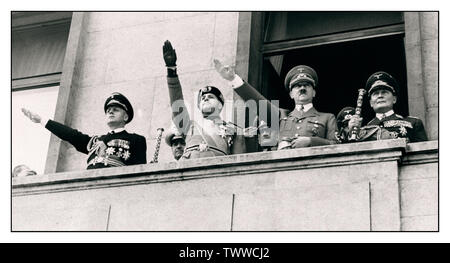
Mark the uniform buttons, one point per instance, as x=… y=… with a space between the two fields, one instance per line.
x=296 y=135
x=299 y=121
x=298 y=127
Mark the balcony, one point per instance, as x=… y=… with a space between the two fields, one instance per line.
x=372 y=186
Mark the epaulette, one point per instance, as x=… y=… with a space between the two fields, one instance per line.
x=399 y=116
x=413 y=117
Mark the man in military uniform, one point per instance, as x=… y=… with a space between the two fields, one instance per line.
x=342 y=119
x=382 y=90
x=346 y=120
x=302 y=127
x=116 y=148
x=176 y=142
x=210 y=136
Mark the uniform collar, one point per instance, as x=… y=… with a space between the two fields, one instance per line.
x=306 y=107
x=117 y=130
x=380 y=116
x=301 y=115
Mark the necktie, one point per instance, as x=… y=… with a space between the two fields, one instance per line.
x=383 y=116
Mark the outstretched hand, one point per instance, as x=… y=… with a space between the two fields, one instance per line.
x=227 y=72
x=32 y=116
x=170 y=56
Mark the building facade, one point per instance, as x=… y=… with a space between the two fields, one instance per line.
x=92 y=54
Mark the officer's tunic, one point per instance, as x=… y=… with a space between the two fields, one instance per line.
x=396 y=126
x=200 y=142
x=319 y=126
x=123 y=148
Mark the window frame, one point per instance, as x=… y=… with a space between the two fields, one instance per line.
x=26 y=20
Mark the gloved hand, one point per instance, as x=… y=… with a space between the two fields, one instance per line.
x=32 y=116
x=226 y=72
x=284 y=145
x=355 y=121
x=301 y=142
x=170 y=56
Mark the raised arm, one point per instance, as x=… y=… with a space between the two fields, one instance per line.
x=180 y=115
x=242 y=88
x=77 y=139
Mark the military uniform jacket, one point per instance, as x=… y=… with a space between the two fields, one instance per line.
x=397 y=126
x=320 y=127
x=199 y=142
x=122 y=148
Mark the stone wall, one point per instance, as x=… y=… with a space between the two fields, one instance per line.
x=422 y=55
x=418 y=181
x=120 y=51
x=372 y=186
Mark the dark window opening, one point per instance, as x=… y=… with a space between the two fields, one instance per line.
x=284 y=26
x=342 y=69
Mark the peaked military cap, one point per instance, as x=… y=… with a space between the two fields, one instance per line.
x=344 y=116
x=381 y=80
x=210 y=89
x=298 y=74
x=117 y=99
x=173 y=135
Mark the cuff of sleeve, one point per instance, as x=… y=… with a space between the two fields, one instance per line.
x=315 y=141
x=236 y=82
x=44 y=121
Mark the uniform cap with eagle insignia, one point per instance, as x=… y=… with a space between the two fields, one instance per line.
x=344 y=116
x=299 y=74
x=117 y=99
x=381 y=80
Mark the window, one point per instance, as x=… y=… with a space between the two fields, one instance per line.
x=29 y=140
x=344 y=48
x=38 y=41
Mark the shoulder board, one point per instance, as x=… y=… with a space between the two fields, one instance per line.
x=413 y=117
x=399 y=116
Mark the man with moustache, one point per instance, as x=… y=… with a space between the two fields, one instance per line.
x=116 y=148
x=302 y=127
x=210 y=136
x=382 y=90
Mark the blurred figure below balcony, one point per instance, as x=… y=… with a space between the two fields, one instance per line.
x=22 y=170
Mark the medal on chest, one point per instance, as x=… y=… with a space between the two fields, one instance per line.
x=203 y=146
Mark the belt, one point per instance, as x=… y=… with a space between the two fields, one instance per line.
x=197 y=148
x=106 y=161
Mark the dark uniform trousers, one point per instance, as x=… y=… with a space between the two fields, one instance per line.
x=122 y=148
x=319 y=126
x=392 y=127
x=199 y=143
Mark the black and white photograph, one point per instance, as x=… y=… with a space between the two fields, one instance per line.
x=224 y=121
